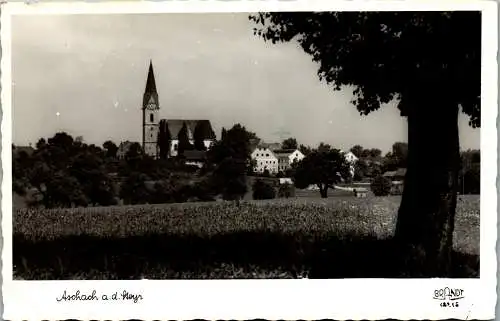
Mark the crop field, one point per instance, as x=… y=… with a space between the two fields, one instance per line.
x=338 y=237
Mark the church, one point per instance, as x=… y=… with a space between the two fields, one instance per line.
x=158 y=134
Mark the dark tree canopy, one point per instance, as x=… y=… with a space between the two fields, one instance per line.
x=164 y=140
x=290 y=143
x=400 y=153
x=111 y=148
x=229 y=160
x=357 y=150
x=387 y=55
x=183 y=137
x=306 y=150
x=201 y=131
x=63 y=172
x=322 y=167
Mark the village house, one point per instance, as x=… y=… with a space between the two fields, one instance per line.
x=351 y=159
x=264 y=159
x=287 y=157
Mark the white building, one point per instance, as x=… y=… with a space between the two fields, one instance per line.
x=287 y=157
x=264 y=159
x=352 y=159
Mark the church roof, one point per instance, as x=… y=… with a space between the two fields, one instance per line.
x=150 y=83
x=175 y=125
x=150 y=91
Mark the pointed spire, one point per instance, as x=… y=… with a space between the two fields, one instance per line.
x=151 y=84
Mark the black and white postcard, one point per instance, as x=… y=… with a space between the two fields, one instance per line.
x=249 y=160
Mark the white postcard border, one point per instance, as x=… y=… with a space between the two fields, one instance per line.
x=267 y=299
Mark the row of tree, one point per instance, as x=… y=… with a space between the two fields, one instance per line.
x=64 y=172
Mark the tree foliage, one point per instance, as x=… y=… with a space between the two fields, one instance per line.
x=306 y=150
x=64 y=172
x=357 y=150
x=200 y=131
x=164 y=140
x=409 y=51
x=290 y=143
x=229 y=162
x=381 y=186
x=322 y=167
x=262 y=190
x=184 y=143
x=110 y=148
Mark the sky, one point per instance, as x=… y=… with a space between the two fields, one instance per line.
x=86 y=74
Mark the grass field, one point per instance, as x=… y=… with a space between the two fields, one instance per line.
x=283 y=238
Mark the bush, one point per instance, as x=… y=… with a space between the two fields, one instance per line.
x=263 y=190
x=381 y=186
x=286 y=190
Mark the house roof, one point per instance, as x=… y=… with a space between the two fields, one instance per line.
x=175 y=125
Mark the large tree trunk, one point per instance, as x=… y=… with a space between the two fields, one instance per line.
x=426 y=216
x=323 y=190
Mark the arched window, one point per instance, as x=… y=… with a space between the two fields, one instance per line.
x=175 y=147
x=151 y=117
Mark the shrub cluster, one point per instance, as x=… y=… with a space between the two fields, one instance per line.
x=262 y=190
x=381 y=186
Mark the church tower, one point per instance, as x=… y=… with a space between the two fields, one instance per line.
x=150 y=116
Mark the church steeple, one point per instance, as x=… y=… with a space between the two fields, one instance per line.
x=150 y=93
x=151 y=84
x=150 y=115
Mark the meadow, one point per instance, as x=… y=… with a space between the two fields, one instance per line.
x=339 y=237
